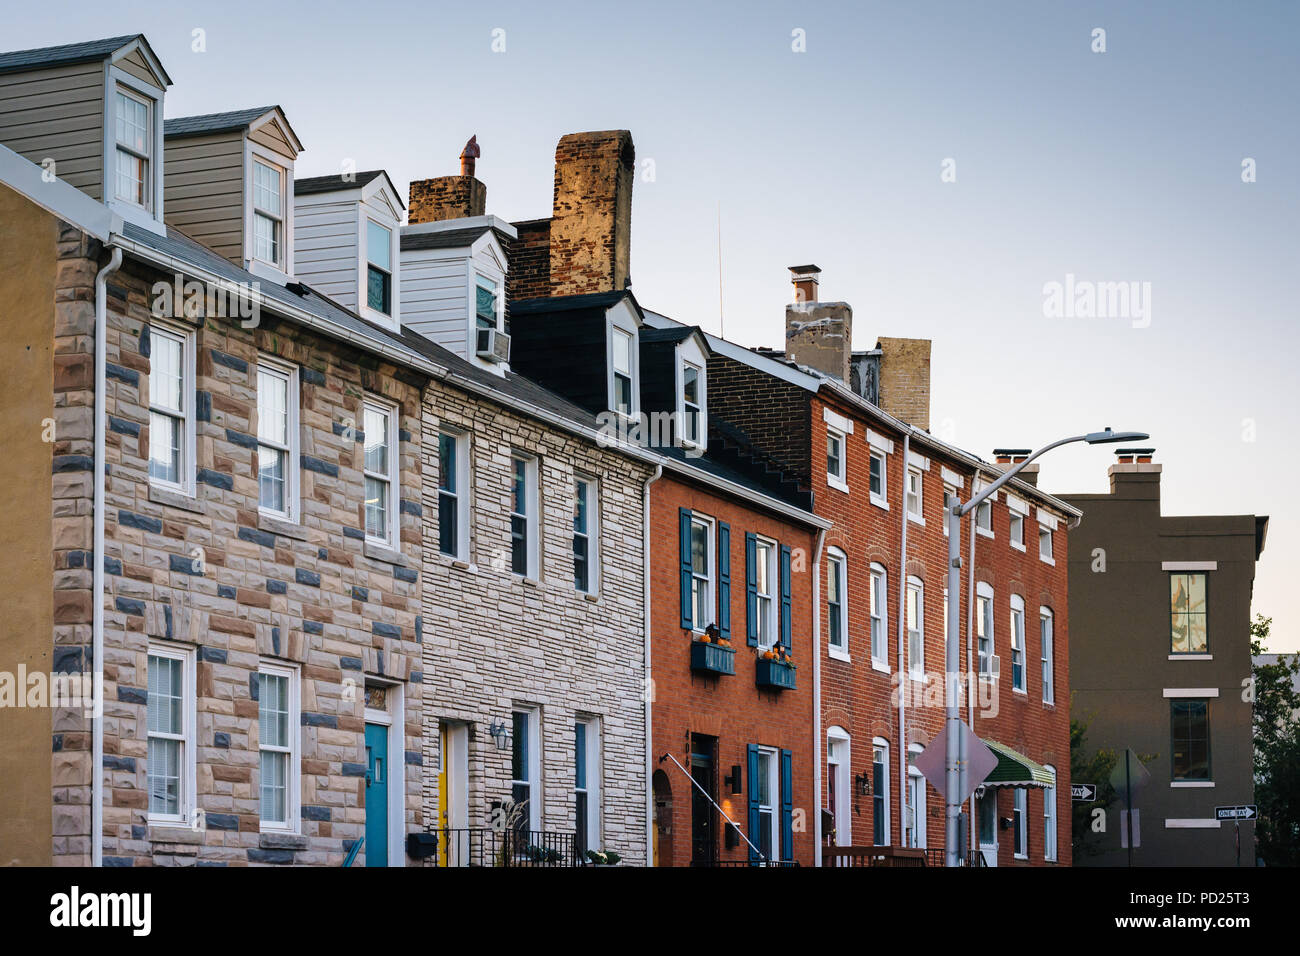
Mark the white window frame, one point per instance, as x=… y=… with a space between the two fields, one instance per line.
x=147 y=157
x=767 y=614
x=915 y=495
x=480 y=278
x=622 y=325
x=837 y=570
x=985 y=509
x=708 y=581
x=393 y=719
x=532 y=551
x=1050 y=833
x=842 y=810
x=1046 y=533
x=689 y=354
x=536 y=789
x=150 y=216
x=917 y=810
x=878 y=611
x=1047 y=652
x=1018 y=642
x=392 y=541
x=951 y=494
x=880 y=744
x=594 y=788
x=293 y=792
x=461 y=495
x=1017 y=532
x=368 y=311
x=189 y=397
x=915 y=629
x=880 y=500
x=186 y=763
x=774 y=791
x=985 y=619
x=289 y=375
x=1020 y=822
x=592 y=534
x=837 y=480
x=281 y=272
x=280 y=262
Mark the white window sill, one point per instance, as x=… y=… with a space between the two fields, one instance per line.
x=1050 y=703
x=880 y=502
x=837 y=484
x=918 y=677
x=1191 y=784
x=1191 y=657
x=982 y=533
x=1019 y=856
x=592 y=596
x=172 y=830
x=1022 y=692
x=1019 y=547
x=915 y=519
x=877 y=666
x=1050 y=561
x=279 y=524
x=838 y=655
x=174 y=497
x=383 y=552
x=525 y=579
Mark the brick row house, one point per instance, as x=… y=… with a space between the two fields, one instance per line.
x=852 y=428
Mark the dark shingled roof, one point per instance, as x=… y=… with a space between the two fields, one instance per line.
x=447 y=239
x=571 y=303
x=673 y=335
x=213 y=122
x=329 y=184
x=86 y=52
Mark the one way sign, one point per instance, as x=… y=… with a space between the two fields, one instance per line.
x=1083 y=792
x=1246 y=812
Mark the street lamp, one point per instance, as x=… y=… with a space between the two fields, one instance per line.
x=958 y=511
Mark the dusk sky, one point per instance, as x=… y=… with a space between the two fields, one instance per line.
x=1116 y=166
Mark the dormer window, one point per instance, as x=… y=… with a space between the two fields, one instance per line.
x=692 y=401
x=621 y=342
x=485 y=303
x=134 y=138
x=379 y=267
x=268 y=212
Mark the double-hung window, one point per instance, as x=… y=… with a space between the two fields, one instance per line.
x=701 y=572
x=1049 y=818
x=268 y=213
x=525 y=772
x=1188 y=612
x=914 y=503
x=523 y=515
x=379 y=267
x=171 y=408
x=836 y=606
x=485 y=303
x=879 y=598
x=586 y=784
x=277 y=719
x=949 y=499
x=692 y=404
x=877 y=478
x=277 y=439
x=915 y=628
x=453 y=494
x=1045 y=621
x=765 y=591
x=1017 y=510
x=1045 y=543
x=170 y=721
x=836 y=463
x=380 y=425
x=1018 y=643
x=880 y=792
x=984 y=627
x=767 y=791
x=622 y=368
x=1020 y=822
x=984 y=513
x=134 y=147
x=1190 y=738
x=586 y=522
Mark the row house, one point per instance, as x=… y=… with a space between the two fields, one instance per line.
x=224 y=474
x=852 y=428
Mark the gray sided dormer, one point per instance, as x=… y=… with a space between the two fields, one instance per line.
x=230 y=186
x=91 y=115
x=346 y=242
x=453 y=287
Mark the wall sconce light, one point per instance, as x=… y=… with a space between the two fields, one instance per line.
x=1007 y=823
x=732 y=780
x=500 y=733
x=863 y=780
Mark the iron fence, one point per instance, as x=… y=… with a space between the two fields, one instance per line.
x=486 y=846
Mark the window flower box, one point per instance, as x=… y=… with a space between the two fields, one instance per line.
x=774 y=673
x=712 y=658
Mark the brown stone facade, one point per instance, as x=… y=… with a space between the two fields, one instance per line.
x=209 y=576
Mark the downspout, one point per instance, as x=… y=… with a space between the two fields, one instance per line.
x=647 y=685
x=972 y=682
x=818 y=746
x=97 y=586
x=904 y=680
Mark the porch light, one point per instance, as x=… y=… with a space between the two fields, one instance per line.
x=500 y=733
x=863 y=780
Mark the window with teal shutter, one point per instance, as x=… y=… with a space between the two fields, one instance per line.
x=754 y=820
x=684 y=544
x=787 y=806
x=785 y=597
x=751 y=589
x=724 y=580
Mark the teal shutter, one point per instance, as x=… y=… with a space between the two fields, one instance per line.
x=684 y=541
x=753 y=803
x=724 y=580
x=787 y=806
x=785 y=597
x=751 y=589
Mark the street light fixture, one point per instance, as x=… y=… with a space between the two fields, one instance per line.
x=958 y=511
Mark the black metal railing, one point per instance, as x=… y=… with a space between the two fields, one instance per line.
x=486 y=846
x=729 y=863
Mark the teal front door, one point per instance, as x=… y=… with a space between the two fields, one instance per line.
x=376 y=795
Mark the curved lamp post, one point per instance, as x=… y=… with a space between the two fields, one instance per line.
x=955 y=514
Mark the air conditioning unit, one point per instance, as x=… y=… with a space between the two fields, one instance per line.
x=492 y=345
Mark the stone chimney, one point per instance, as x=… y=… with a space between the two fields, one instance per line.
x=450 y=197
x=591 y=217
x=1014 y=456
x=818 y=334
x=905 y=379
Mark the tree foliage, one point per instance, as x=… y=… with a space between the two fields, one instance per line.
x=1276 y=724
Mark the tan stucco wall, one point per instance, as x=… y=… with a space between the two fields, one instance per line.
x=27 y=277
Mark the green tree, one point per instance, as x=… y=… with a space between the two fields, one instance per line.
x=1276 y=718
x=1094 y=768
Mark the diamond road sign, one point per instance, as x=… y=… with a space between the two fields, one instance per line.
x=1083 y=792
x=975 y=760
x=1246 y=812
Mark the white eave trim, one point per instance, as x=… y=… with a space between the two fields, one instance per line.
x=57 y=197
x=1191 y=692
x=1189 y=565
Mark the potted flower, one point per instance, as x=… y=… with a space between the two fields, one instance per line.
x=603 y=858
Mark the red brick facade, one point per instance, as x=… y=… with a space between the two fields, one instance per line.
x=727 y=712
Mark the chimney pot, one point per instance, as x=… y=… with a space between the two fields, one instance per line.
x=468 y=155
x=805 y=279
x=449 y=197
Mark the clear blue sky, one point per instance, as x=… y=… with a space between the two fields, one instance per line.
x=1115 y=166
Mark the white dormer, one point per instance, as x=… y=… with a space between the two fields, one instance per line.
x=90 y=114
x=230 y=186
x=691 y=391
x=347 y=233
x=453 y=281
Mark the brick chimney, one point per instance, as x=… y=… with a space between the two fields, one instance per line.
x=818 y=334
x=450 y=197
x=905 y=379
x=1014 y=456
x=591 y=217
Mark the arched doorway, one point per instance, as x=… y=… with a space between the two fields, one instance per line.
x=663 y=820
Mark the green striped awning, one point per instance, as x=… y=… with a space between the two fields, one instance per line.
x=1014 y=769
